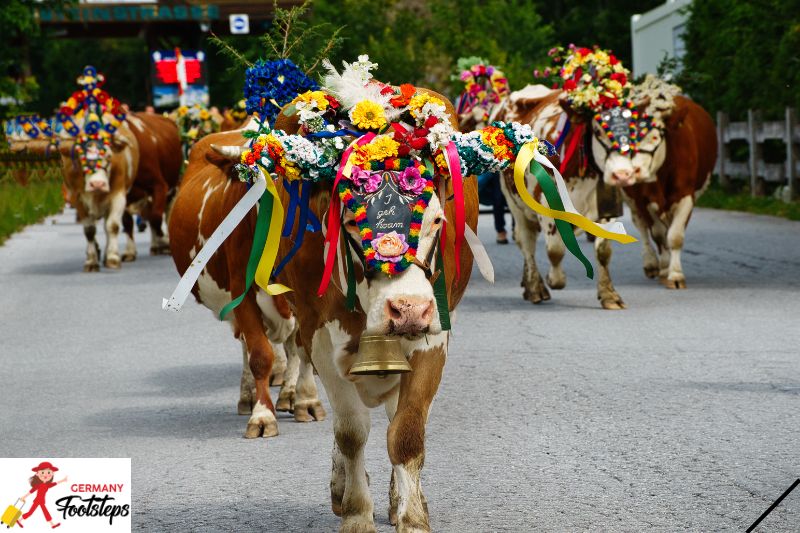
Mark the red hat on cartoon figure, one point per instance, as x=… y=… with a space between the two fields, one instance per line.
x=44 y=466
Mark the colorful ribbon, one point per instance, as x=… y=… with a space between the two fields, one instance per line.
x=334 y=214
x=454 y=166
x=574 y=141
x=565 y=210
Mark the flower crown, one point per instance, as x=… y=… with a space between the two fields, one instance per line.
x=269 y=85
x=91 y=99
x=593 y=79
x=484 y=86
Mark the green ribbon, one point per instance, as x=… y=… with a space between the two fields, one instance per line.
x=259 y=240
x=440 y=292
x=565 y=229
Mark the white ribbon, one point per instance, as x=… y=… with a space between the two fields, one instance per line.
x=613 y=226
x=240 y=210
x=479 y=254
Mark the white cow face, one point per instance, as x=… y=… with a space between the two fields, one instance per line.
x=402 y=303
x=626 y=150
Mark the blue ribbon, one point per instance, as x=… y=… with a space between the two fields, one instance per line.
x=293 y=188
x=305 y=196
x=563 y=134
x=325 y=134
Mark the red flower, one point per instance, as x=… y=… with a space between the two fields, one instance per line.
x=406 y=92
x=620 y=77
x=431 y=122
x=583 y=52
x=570 y=85
x=612 y=59
x=387 y=89
x=332 y=102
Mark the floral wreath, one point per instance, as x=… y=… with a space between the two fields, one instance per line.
x=593 y=78
x=194 y=123
x=101 y=161
x=621 y=140
x=484 y=86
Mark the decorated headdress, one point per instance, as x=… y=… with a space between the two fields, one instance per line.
x=379 y=145
x=92 y=104
x=484 y=85
x=194 y=122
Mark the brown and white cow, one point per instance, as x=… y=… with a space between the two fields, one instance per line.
x=138 y=173
x=540 y=107
x=263 y=324
x=664 y=178
x=402 y=305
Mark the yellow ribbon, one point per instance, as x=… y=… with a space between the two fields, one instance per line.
x=524 y=157
x=267 y=261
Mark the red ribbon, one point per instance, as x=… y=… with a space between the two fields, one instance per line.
x=454 y=165
x=334 y=216
x=574 y=141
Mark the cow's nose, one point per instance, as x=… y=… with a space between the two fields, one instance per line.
x=97 y=185
x=409 y=314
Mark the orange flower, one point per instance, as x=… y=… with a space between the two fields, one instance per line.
x=406 y=92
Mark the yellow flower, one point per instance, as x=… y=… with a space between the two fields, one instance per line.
x=182 y=110
x=382 y=147
x=204 y=114
x=420 y=99
x=368 y=115
x=314 y=98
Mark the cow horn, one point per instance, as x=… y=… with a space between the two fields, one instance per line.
x=231 y=152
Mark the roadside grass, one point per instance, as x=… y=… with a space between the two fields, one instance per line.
x=718 y=198
x=22 y=205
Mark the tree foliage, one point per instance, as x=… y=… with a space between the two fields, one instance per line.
x=744 y=55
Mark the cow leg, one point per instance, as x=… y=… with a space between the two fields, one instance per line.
x=350 y=497
x=247 y=385
x=130 y=246
x=406 y=436
x=113 y=225
x=288 y=376
x=526 y=234
x=92 y=263
x=649 y=256
x=677 y=229
x=260 y=357
x=556 y=278
x=159 y=244
x=307 y=406
x=606 y=293
x=278 y=376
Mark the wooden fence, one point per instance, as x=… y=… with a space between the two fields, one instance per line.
x=754 y=132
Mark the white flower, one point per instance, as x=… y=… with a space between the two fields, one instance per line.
x=363 y=67
x=440 y=134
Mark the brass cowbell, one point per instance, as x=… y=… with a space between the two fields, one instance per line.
x=380 y=355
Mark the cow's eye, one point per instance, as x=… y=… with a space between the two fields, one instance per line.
x=437 y=221
x=351 y=223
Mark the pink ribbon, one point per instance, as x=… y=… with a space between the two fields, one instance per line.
x=454 y=165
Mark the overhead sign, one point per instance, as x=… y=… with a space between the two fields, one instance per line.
x=240 y=23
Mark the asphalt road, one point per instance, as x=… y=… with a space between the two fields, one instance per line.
x=680 y=413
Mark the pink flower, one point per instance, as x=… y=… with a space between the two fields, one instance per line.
x=370 y=181
x=389 y=246
x=411 y=181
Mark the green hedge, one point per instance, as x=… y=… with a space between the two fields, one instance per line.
x=22 y=205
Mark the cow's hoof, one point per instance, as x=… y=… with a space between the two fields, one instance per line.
x=261 y=427
x=677 y=283
x=286 y=400
x=537 y=294
x=160 y=249
x=128 y=257
x=613 y=303
x=651 y=271
x=556 y=281
x=244 y=407
x=308 y=411
x=276 y=380
x=357 y=524
x=91 y=267
x=112 y=261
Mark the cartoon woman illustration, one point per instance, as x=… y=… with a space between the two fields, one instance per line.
x=41 y=482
